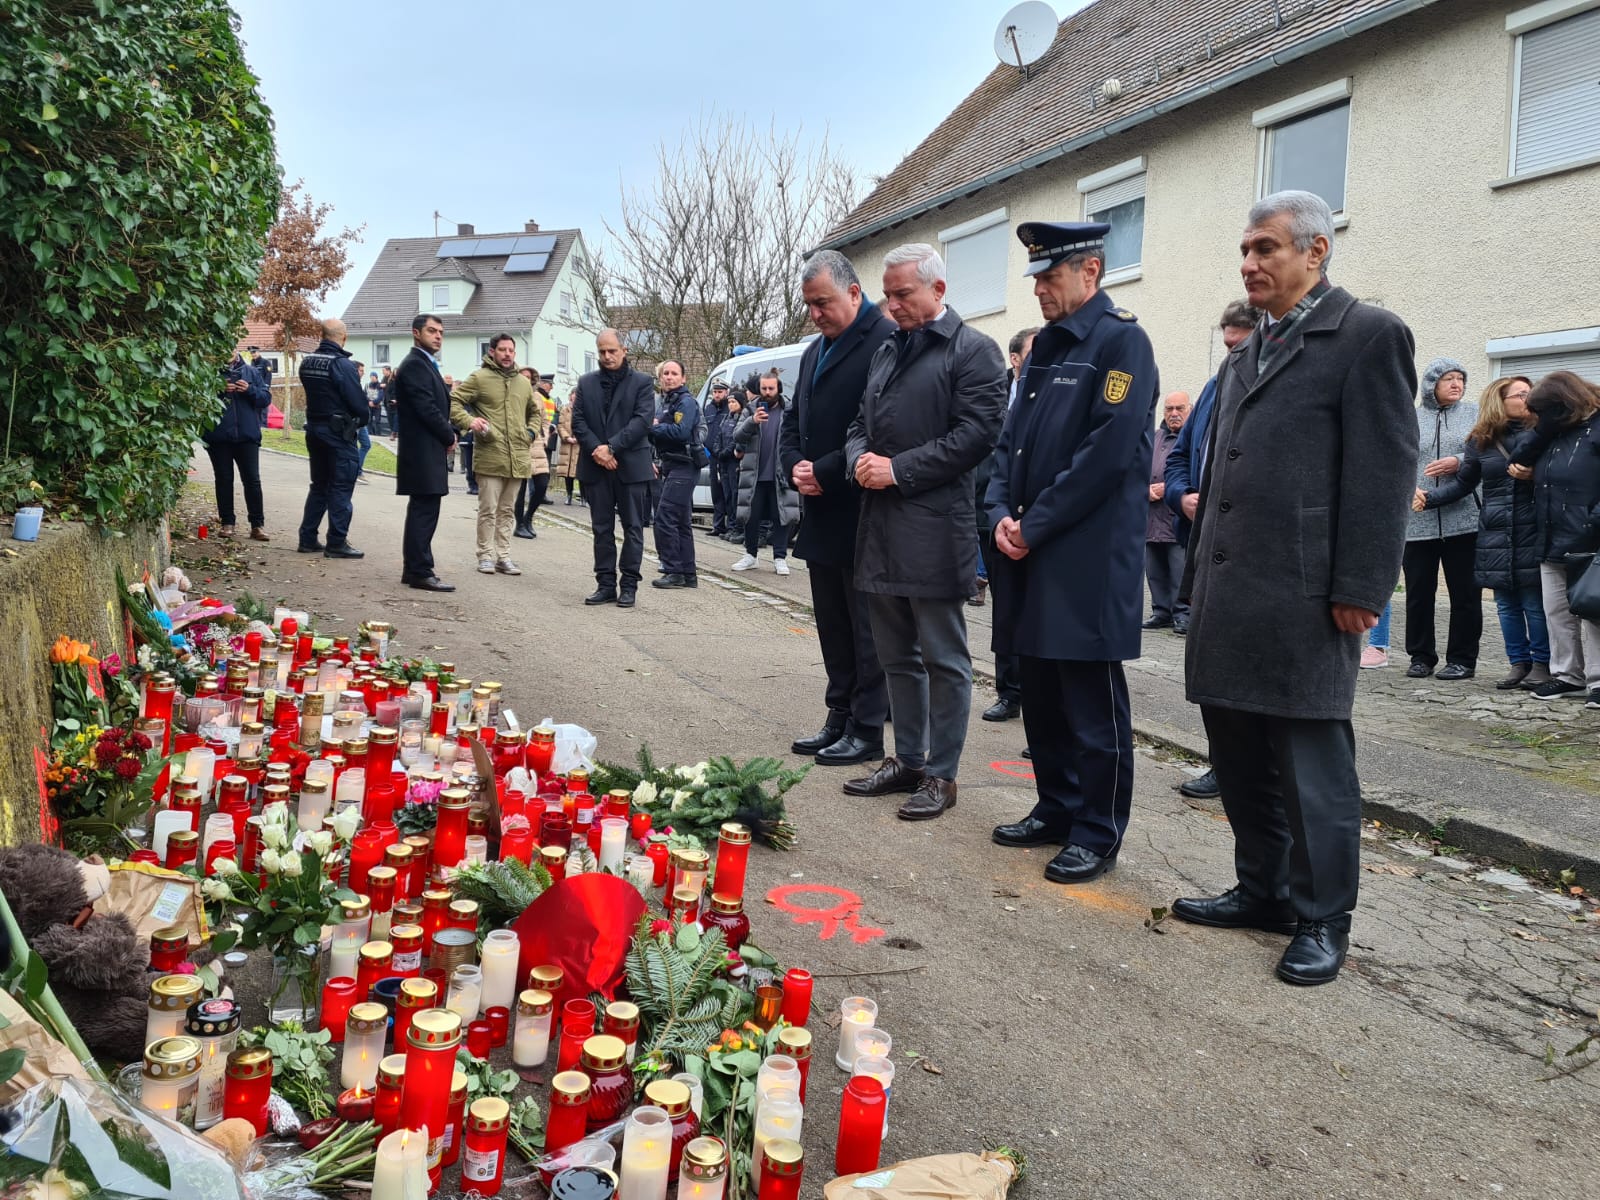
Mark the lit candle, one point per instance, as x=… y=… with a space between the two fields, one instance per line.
x=796 y=1043
x=873 y=1066
x=780 y=1117
x=855 y=1014
x=530 y=1045
x=431 y=1044
x=860 y=1127
x=351 y=790
x=697 y=1091
x=873 y=1043
x=475 y=849
x=466 y=992
x=401 y=1171
x=797 y=985
x=171 y=1074
x=355 y=923
x=169 y=1001
x=613 y=840
x=364 y=1032
x=779 y=1071
x=201 y=762
x=705 y=1170
x=313 y=807
x=646 y=1155
x=782 y=1167
x=355 y=1105
x=498 y=962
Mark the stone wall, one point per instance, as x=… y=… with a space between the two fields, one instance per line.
x=65 y=583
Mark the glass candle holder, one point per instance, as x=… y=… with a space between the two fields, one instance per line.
x=386 y=1101
x=338 y=996
x=769 y=998
x=605 y=1062
x=856 y=1013
x=351 y=789
x=410 y=745
x=435 y=915
x=248 y=1086
x=466 y=992
x=646 y=1154
x=861 y=1120
x=568 y=1112
x=450 y=834
x=873 y=1042
x=703 y=1173
x=613 y=841
x=498 y=960
x=415 y=996
x=540 y=750
x=873 y=1066
x=499 y=1018
x=797 y=987
x=782 y=1168
x=431 y=1042
x=778 y=1071
x=363 y=1046
x=366 y=853
x=638 y=870
x=480 y=1038
x=796 y=1043
x=349 y=935
x=530 y=1045
x=727 y=914
x=475 y=849
x=312 y=811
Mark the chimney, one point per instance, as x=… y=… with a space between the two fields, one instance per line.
x=465 y=231
x=530 y=227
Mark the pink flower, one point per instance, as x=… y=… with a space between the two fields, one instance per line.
x=111 y=665
x=660 y=927
x=184 y=968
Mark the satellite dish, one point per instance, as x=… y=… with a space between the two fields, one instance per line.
x=1025 y=34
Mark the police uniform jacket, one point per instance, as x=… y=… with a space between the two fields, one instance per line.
x=933 y=405
x=333 y=386
x=1073 y=466
x=615 y=412
x=676 y=432
x=1304 y=505
x=423 y=410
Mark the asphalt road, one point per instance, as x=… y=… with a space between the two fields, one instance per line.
x=1126 y=1061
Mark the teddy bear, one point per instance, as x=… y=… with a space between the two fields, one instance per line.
x=98 y=967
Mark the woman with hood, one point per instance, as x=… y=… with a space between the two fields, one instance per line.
x=1507 y=560
x=1446 y=535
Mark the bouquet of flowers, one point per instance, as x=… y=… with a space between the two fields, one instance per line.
x=698 y=799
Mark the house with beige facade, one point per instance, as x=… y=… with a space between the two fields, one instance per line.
x=531 y=284
x=1457 y=141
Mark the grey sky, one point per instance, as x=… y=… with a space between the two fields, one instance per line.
x=497 y=113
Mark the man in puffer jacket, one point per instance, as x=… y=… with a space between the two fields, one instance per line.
x=497 y=404
x=1445 y=536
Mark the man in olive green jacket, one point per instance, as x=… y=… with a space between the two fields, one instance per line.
x=498 y=404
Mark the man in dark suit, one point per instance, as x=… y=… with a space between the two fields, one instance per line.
x=422 y=405
x=1297 y=540
x=827 y=397
x=611 y=420
x=1070 y=487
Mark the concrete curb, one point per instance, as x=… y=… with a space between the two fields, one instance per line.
x=302 y=458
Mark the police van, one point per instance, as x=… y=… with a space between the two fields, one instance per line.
x=747 y=361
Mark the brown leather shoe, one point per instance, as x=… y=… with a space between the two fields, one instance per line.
x=932 y=799
x=258 y=534
x=892 y=776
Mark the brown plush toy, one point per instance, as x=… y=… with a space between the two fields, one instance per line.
x=99 y=969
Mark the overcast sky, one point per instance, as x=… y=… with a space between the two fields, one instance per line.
x=498 y=113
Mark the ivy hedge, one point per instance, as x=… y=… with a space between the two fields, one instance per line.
x=138 y=179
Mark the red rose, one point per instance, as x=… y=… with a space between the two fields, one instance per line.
x=660 y=927
x=140 y=742
x=127 y=768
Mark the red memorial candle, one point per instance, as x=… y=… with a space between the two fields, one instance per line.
x=499 y=1019
x=554 y=859
x=569 y=1110
x=483 y=1164
x=454 y=1118
x=366 y=852
x=797 y=984
x=416 y=995
x=247 y=1086
x=431 y=1043
x=168 y=949
x=386 y=1101
x=450 y=834
x=796 y=1043
x=338 y=994
x=605 y=1062
x=782 y=1165
x=861 y=1116
x=374 y=961
x=435 y=915
x=733 y=856
x=406 y=961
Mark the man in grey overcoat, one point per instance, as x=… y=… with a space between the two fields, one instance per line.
x=1297 y=541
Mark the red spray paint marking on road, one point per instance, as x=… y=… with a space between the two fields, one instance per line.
x=845 y=911
x=1017 y=770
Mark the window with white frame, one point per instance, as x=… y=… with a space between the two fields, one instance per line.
x=380 y=353
x=562 y=358
x=483 y=348
x=1115 y=197
x=1536 y=355
x=588 y=313
x=1555 y=106
x=975 y=256
x=588 y=362
x=566 y=306
x=1305 y=143
x=441 y=296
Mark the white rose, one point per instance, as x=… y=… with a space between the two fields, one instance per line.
x=276 y=813
x=345 y=823
x=216 y=889
x=271 y=863
x=274 y=837
x=645 y=793
x=291 y=866
x=225 y=866
x=678 y=797
x=685 y=772
x=320 y=842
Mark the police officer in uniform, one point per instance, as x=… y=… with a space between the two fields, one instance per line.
x=675 y=434
x=1067 y=504
x=336 y=408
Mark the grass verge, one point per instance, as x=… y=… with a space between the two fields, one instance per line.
x=292 y=441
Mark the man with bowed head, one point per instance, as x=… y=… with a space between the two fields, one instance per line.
x=935 y=397
x=422 y=413
x=1297 y=541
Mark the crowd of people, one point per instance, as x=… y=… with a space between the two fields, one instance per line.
x=920 y=471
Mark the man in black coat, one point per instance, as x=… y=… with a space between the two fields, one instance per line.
x=611 y=420
x=1297 y=541
x=827 y=397
x=712 y=420
x=423 y=409
x=935 y=397
x=336 y=412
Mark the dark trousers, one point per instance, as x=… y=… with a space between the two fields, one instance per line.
x=466 y=462
x=539 y=487
x=674 y=510
x=416 y=546
x=247 y=457
x=1294 y=802
x=335 y=462
x=721 y=503
x=377 y=419
x=611 y=500
x=1421 y=567
x=922 y=645
x=728 y=471
x=1080 y=730
x=1007 y=667
x=1163 y=569
x=764 y=507
x=857 y=694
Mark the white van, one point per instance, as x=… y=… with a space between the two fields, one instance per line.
x=745 y=362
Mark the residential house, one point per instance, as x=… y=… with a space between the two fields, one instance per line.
x=1458 y=143
x=266 y=336
x=697 y=345
x=529 y=284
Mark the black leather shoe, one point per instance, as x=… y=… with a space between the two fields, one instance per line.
x=1074 y=864
x=1455 y=671
x=1002 y=710
x=1157 y=623
x=603 y=595
x=344 y=550
x=1315 y=955
x=432 y=584
x=313 y=548
x=1418 y=670
x=893 y=776
x=524 y=531
x=675 y=581
x=933 y=798
x=1234 y=909
x=820 y=740
x=849 y=750
x=1181 y=628
x=1202 y=787
x=1027 y=753
x=1030 y=831
x=626 y=598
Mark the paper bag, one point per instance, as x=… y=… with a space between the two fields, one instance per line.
x=46 y=1056
x=153 y=898
x=938 y=1177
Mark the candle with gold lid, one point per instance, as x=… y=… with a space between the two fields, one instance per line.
x=703 y=1173
x=530 y=1044
x=171 y=1078
x=431 y=1043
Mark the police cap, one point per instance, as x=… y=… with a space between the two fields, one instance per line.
x=1051 y=243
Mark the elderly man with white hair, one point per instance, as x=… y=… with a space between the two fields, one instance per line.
x=931 y=413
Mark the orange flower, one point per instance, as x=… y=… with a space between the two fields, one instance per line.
x=68 y=651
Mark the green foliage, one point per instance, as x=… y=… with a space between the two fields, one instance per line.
x=300 y=1061
x=673 y=978
x=483 y=1080
x=137 y=182
x=697 y=800
x=525 y=1130
x=502 y=890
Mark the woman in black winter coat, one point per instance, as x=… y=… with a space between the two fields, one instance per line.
x=1506 y=559
x=1566 y=482
x=235 y=441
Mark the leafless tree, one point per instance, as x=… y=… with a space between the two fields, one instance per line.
x=706 y=257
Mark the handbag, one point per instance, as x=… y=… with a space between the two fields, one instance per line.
x=1583 y=586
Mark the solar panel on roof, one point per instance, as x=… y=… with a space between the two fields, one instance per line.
x=464 y=248
x=489 y=247
x=543 y=243
x=519 y=263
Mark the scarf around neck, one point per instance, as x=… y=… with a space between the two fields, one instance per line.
x=1275 y=338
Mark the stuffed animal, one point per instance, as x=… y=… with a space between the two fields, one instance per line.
x=99 y=969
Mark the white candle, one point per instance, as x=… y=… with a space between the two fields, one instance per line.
x=219 y=827
x=873 y=1043
x=855 y=1014
x=466 y=993
x=613 y=840
x=351 y=788
x=201 y=762
x=874 y=1066
x=475 y=849
x=640 y=872
x=646 y=1154
x=498 y=962
x=779 y=1071
x=531 y=1041
x=697 y=1091
x=168 y=821
x=342 y=959
x=364 y=1032
x=401 y=1172
x=781 y=1117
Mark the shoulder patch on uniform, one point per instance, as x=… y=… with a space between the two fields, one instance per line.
x=1123 y=314
x=1117 y=385
x=677 y=418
